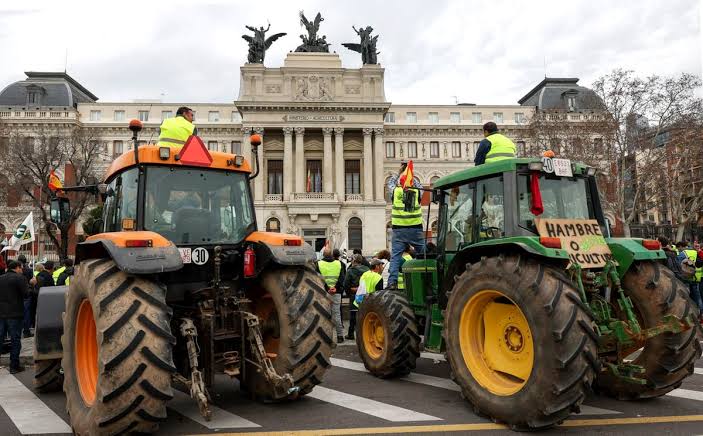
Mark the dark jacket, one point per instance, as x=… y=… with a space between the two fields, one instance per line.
x=13 y=290
x=44 y=279
x=61 y=280
x=352 y=278
x=483 y=148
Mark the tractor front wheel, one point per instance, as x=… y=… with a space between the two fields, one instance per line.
x=667 y=358
x=387 y=335
x=520 y=342
x=295 y=317
x=116 y=351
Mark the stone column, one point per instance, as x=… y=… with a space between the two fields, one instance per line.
x=378 y=164
x=246 y=145
x=327 y=162
x=299 y=160
x=260 y=180
x=339 y=162
x=368 y=165
x=287 y=163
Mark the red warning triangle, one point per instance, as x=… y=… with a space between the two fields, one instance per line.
x=194 y=152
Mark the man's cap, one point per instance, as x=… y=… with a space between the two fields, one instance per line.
x=357 y=258
x=375 y=262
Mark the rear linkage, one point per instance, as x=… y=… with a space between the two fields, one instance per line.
x=616 y=335
x=283 y=385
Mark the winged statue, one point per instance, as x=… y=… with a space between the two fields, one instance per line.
x=311 y=42
x=367 y=46
x=258 y=43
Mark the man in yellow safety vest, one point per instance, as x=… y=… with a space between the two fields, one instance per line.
x=176 y=131
x=332 y=272
x=688 y=254
x=494 y=146
x=406 y=257
x=369 y=282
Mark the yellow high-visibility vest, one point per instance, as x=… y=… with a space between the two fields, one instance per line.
x=370 y=280
x=175 y=132
x=401 y=217
x=57 y=273
x=501 y=148
x=330 y=271
x=401 y=280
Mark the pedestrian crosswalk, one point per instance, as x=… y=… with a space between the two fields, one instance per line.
x=29 y=414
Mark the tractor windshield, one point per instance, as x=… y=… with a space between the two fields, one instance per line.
x=562 y=197
x=198 y=206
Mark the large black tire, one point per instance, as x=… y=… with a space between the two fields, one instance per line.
x=564 y=349
x=295 y=314
x=48 y=375
x=399 y=347
x=134 y=346
x=668 y=358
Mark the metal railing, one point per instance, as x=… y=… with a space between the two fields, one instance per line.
x=315 y=196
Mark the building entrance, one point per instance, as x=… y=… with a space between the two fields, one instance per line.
x=316 y=238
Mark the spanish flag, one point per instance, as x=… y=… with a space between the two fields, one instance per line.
x=54 y=182
x=308 y=187
x=406 y=178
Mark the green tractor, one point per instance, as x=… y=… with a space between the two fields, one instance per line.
x=531 y=300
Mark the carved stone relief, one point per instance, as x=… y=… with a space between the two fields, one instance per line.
x=313 y=88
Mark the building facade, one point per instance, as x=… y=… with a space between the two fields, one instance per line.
x=331 y=141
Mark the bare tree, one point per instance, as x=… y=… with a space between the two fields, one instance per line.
x=31 y=156
x=620 y=137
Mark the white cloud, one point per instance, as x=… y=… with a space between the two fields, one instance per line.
x=489 y=52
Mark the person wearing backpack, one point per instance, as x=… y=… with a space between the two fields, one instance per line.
x=689 y=261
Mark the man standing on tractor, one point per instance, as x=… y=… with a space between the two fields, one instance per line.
x=176 y=131
x=406 y=220
x=351 y=285
x=369 y=282
x=333 y=275
x=494 y=146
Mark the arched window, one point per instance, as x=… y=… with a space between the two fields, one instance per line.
x=354 y=228
x=433 y=179
x=273 y=225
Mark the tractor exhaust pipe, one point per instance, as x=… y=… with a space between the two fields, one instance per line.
x=255 y=141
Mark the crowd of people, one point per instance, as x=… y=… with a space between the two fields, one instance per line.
x=685 y=260
x=19 y=290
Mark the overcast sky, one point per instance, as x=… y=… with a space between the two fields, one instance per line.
x=484 y=52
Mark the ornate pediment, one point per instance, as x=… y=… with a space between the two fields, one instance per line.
x=313 y=88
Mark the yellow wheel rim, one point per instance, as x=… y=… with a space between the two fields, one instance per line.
x=496 y=342
x=373 y=335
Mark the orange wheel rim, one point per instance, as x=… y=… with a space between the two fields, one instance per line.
x=86 y=353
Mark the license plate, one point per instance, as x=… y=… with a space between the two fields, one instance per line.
x=562 y=167
x=186 y=255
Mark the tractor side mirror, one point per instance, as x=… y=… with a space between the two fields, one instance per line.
x=435 y=195
x=60 y=210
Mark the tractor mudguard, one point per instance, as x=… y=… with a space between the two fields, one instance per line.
x=280 y=248
x=628 y=250
x=51 y=303
x=161 y=255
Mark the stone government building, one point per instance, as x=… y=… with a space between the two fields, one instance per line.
x=331 y=140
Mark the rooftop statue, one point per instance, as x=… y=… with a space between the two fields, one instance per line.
x=311 y=43
x=367 y=47
x=258 y=44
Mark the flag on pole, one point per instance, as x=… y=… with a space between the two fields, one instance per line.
x=308 y=188
x=406 y=178
x=23 y=235
x=54 y=182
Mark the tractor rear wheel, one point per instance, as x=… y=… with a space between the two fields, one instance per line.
x=520 y=342
x=387 y=334
x=48 y=376
x=295 y=316
x=668 y=358
x=116 y=351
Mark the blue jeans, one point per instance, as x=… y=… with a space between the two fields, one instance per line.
x=402 y=236
x=14 y=327
x=695 y=291
x=27 y=324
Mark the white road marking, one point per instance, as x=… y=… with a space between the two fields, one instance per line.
x=186 y=406
x=368 y=406
x=698 y=371
x=686 y=393
x=29 y=414
x=446 y=383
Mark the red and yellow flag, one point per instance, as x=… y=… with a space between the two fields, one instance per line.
x=406 y=178
x=54 y=182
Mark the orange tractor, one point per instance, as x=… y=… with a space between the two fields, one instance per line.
x=176 y=286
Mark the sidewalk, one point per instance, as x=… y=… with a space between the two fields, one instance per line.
x=26 y=354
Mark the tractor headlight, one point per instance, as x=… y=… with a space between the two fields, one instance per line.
x=164 y=153
x=535 y=166
x=590 y=171
x=239 y=160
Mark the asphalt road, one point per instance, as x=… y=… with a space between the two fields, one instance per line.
x=350 y=401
